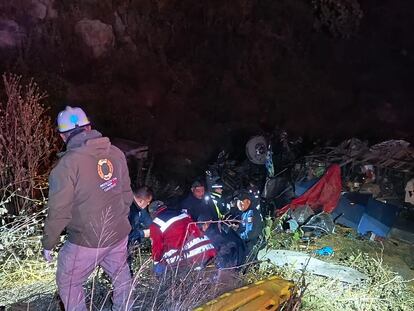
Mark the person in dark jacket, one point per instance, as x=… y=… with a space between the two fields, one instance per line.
x=89 y=196
x=139 y=217
x=231 y=250
x=140 y=220
x=251 y=226
x=217 y=199
x=195 y=204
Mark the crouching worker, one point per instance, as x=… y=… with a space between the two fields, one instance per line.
x=177 y=241
x=251 y=226
x=139 y=219
x=89 y=196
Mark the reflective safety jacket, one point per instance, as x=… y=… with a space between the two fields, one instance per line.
x=251 y=227
x=176 y=239
x=219 y=204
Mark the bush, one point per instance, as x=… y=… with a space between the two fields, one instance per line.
x=341 y=18
x=27 y=142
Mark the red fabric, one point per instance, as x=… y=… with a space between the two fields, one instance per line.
x=325 y=192
x=178 y=234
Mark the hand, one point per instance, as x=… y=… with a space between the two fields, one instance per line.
x=235 y=226
x=47 y=255
x=146 y=233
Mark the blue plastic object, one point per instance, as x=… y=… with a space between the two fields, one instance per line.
x=352 y=206
x=378 y=218
x=293 y=225
x=384 y=212
x=303 y=186
x=325 y=251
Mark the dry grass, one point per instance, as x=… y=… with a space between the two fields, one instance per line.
x=23 y=272
x=25 y=278
x=384 y=290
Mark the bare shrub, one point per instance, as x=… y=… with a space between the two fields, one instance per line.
x=340 y=17
x=27 y=141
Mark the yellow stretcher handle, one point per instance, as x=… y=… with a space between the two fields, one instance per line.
x=264 y=295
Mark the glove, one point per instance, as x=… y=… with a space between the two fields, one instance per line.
x=47 y=255
x=235 y=226
x=146 y=233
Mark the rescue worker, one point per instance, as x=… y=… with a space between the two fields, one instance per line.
x=254 y=195
x=138 y=215
x=139 y=219
x=251 y=225
x=233 y=212
x=217 y=199
x=196 y=203
x=89 y=196
x=176 y=240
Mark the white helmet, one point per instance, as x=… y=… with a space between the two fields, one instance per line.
x=71 y=118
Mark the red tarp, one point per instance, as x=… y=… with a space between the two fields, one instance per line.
x=325 y=193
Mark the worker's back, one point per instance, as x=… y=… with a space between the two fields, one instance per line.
x=90 y=186
x=177 y=239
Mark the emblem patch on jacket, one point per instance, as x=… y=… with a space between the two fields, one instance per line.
x=105 y=169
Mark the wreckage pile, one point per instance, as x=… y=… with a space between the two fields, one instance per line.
x=361 y=188
x=364 y=187
x=376 y=196
x=382 y=169
x=392 y=154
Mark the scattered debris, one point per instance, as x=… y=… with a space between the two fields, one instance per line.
x=302 y=214
x=409 y=192
x=302 y=261
x=325 y=251
x=382 y=169
x=319 y=224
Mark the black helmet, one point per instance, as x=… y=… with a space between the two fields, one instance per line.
x=243 y=194
x=155 y=206
x=217 y=185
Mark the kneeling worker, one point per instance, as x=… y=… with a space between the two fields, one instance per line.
x=176 y=240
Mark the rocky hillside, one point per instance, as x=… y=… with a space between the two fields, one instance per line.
x=190 y=76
